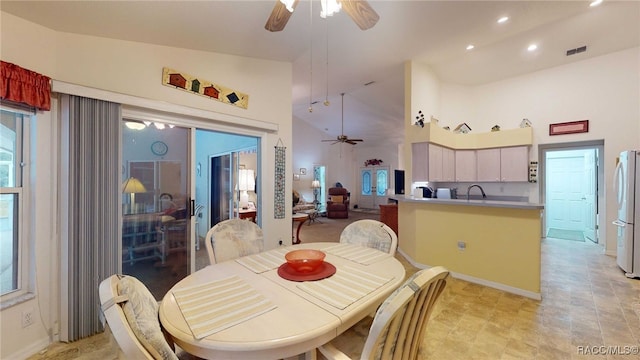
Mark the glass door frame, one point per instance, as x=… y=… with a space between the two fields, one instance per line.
x=193 y=124
x=372 y=186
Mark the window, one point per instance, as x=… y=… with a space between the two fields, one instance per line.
x=11 y=201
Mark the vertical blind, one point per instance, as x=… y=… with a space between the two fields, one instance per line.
x=90 y=209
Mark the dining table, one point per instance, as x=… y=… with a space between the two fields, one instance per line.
x=258 y=307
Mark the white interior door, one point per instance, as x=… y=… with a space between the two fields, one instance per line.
x=566 y=196
x=591 y=194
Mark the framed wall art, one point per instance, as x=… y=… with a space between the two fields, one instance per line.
x=571 y=127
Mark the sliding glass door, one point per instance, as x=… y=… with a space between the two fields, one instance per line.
x=157 y=206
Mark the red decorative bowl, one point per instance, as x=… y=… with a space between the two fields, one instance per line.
x=304 y=260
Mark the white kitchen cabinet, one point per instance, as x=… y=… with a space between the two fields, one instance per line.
x=419 y=161
x=435 y=163
x=466 y=165
x=488 y=165
x=448 y=164
x=441 y=163
x=503 y=164
x=514 y=163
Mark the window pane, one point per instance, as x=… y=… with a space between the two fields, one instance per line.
x=381 y=187
x=366 y=182
x=11 y=143
x=8 y=243
x=9 y=147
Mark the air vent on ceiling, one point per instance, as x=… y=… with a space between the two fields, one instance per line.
x=576 y=50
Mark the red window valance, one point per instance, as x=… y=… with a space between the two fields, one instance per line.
x=24 y=86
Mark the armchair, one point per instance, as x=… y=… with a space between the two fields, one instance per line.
x=338 y=204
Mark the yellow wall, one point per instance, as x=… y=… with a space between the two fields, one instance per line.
x=502 y=244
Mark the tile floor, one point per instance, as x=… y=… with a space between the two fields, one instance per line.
x=587 y=304
x=588 y=307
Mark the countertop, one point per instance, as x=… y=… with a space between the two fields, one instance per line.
x=464 y=202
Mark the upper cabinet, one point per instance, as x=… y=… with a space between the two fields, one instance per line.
x=489 y=157
x=419 y=161
x=466 y=166
x=503 y=164
x=448 y=164
x=488 y=166
x=514 y=163
x=441 y=163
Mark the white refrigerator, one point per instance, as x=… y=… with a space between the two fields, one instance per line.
x=627 y=190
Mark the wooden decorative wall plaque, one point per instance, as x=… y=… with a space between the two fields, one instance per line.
x=186 y=82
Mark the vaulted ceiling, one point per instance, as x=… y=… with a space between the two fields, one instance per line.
x=339 y=57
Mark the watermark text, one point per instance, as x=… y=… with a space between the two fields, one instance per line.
x=609 y=350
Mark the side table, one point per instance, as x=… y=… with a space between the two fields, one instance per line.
x=299 y=218
x=313 y=216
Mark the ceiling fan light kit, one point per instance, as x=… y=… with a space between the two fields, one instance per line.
x=358 y=10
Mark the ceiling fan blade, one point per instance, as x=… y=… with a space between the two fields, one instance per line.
x=356 y=140
x=279 y=16
x=361 y=13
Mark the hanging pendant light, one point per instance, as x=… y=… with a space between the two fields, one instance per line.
x=326 y=98
x=310 y=57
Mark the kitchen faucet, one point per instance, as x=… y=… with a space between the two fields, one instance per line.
x=484 y=196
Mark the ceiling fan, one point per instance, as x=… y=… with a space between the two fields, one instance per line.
x=342 y=138
x=359 y=10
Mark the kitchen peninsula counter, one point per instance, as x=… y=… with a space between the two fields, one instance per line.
x=489 y=242
x=464 y=202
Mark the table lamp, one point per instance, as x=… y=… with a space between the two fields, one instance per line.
x=315 y=185
x=246 y=182
x=132 y=186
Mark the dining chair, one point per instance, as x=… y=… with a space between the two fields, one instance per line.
x=132 y=315
x=233 y=238
x=399 y=325
x=370 y=233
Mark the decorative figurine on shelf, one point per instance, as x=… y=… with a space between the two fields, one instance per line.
x=495 y=128
x=420 y=119
x=462 y=129
x=525 y=123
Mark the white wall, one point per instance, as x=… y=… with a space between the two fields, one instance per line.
x=133 y=69
x=342 y=161
x=308 y=151
x=604 y=90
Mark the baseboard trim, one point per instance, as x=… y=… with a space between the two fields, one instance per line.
x=30 y=350
x=475 y=280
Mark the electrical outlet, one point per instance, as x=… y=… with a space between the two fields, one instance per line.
x=462 y=245
x=27 y=317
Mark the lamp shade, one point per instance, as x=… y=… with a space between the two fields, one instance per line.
x=315 y=184
x=246 y=180
x=132 y=186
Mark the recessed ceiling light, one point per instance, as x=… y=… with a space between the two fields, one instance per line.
x=595 y=3
x=532 y=47
x=470 y=47
x=503 y=19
